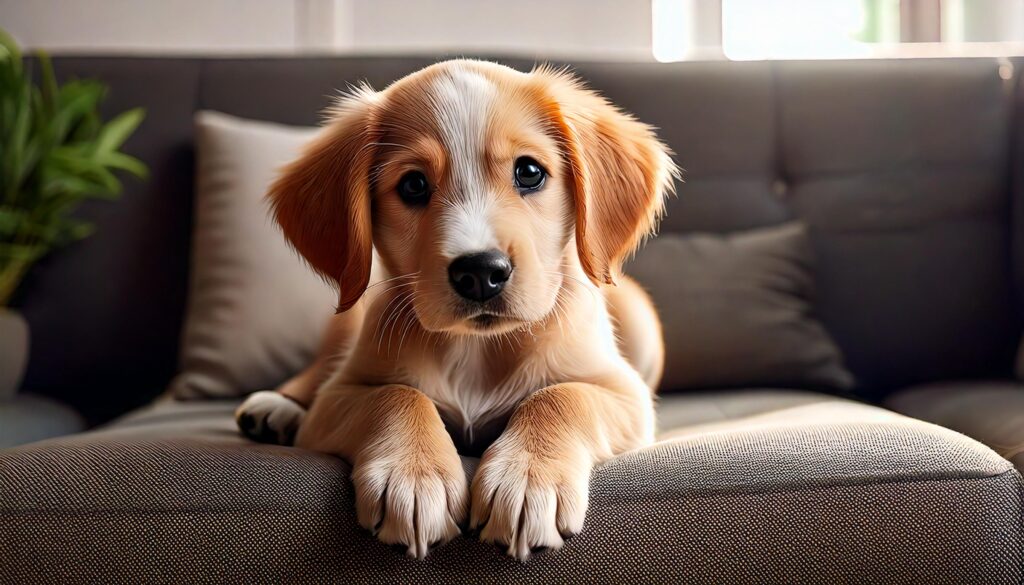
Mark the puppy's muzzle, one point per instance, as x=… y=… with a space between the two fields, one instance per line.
x=480 y=276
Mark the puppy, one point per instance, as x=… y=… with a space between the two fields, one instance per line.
x=500 y=205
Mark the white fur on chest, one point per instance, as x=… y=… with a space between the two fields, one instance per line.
x=471 y=389
x=465 y=386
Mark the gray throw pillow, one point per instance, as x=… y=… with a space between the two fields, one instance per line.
x=737 y=310
x=255 y=310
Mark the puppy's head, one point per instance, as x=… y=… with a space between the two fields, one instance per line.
x=473 y=181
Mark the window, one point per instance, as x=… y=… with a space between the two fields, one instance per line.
x=759 y=29
x=834 y=29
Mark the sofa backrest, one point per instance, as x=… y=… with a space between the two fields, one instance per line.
x=1017 y=195
x=901 y=168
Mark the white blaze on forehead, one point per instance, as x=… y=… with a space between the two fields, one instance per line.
x=461 y=101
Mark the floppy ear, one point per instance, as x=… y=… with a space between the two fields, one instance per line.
x=618 y=170
x=322 y=199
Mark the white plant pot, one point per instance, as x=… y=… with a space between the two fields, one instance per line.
x=13 y=351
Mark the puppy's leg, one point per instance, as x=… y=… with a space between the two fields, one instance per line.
x=638 y=328
x=275 y=416
x=530 y=490
x=409 y=483
x=269 y=417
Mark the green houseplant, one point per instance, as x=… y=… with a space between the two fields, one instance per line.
x=55 y=152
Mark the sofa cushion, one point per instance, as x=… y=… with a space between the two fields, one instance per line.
x=255 y=310
x=989 y=411
x=29 y=417
x=862 y=495
x=738 y=310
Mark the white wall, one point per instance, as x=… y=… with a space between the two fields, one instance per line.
x=574 y=28
x=140 y=26
x=603 y=28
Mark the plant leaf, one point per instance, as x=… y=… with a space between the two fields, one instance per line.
x=15 y=147
x=124 y=162
x=11 y=220
x=88 y=127
x=76 y=98
x=48 y=83
x=9 y=51
x=72 y=230
x=21 y=252
x=116 y=131
x=61 y=189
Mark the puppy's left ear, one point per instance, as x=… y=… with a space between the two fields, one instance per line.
x=618 y=170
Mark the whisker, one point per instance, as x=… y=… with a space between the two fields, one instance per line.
x=437 y=343
x=396 y=287
x=589 y=287
x=390 y=315
x=394 y=278
x=388 y=306
x=408 y=327
x=398 y=317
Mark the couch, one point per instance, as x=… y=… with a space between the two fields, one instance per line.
x=910 y=177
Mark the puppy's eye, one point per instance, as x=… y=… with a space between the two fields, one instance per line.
x=529 y=174
x=414 y=189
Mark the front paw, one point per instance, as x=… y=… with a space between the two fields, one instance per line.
x=528 y=501
x=411 y=496
x=270 y=417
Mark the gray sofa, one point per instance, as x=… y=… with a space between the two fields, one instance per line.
x=910 y=175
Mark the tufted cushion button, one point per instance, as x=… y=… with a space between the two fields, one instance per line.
x=1005 y=69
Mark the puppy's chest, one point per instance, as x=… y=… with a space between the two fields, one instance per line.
x=475 y=392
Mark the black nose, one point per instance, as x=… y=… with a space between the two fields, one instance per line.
x=480 y=276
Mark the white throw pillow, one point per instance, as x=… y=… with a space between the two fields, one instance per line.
x=255 y=310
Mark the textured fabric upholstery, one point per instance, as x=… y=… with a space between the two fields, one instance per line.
x=774 y=487
x=991 y=412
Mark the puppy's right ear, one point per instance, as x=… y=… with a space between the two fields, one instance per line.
x=322 y=199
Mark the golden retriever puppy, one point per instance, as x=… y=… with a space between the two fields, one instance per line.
x=500 y=206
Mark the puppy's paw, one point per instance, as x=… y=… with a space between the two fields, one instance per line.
x=269 y=417
x=527 y=502
x=411 y=497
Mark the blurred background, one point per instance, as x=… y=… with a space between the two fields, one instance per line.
x=644 y=30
